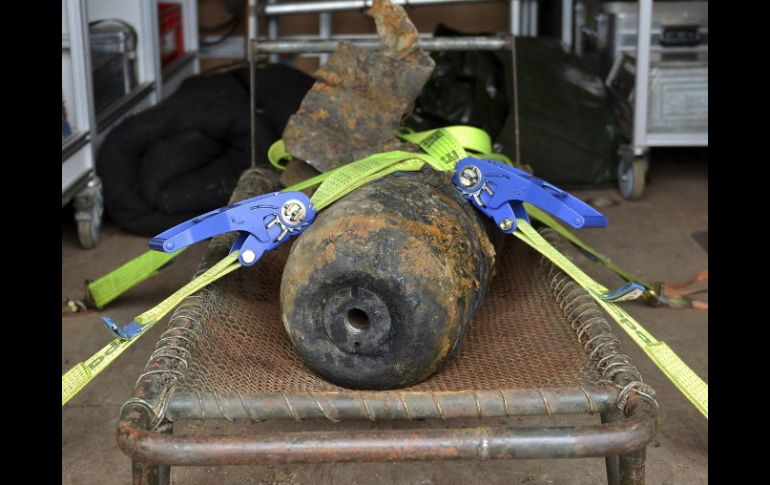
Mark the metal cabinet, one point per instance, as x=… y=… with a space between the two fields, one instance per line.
x=83 y=127
x=655 y=58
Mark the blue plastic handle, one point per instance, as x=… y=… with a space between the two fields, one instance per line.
x=499 y=190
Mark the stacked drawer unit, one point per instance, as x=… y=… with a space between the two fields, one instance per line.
x=678 y=79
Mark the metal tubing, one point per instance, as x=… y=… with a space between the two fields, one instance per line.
x=533 y=18
x=632 y=467
x=515 y=76
x=515 y=14
x=482 y=442
x=641 y=87
x=253 y=27
x=144 y=474
x=578 y=22
x=384 y=406
x=272 y=32
x=611 y=462
x=525 y=18
x=566 y=22
x=490 y=43
x=152 y=474
x=324 y=32
x=251 y=48
x=343 y=5
x=337 y=37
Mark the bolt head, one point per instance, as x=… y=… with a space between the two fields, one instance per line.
x=248 y=256
x=506 y=224
x=293 y=212
x=470 y=176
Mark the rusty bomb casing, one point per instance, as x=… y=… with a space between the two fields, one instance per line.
x=380 y=291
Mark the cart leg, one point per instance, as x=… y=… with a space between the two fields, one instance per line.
x=89 y=207
x=632 y=173
x=632 y=467
x=146 y=474
x=612 y=462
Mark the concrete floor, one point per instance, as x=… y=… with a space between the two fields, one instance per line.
x=651 y=238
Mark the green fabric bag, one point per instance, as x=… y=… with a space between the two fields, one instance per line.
x=568 y=130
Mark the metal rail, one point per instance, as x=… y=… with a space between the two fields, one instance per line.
x=123 y=105
x=482 y=442
x=490 y=43
x=346 y=5
x=388 y=406
x=642 y=84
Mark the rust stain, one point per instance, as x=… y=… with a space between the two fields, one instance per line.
x=397 y=33
x=319 y=115
x=443 y=248
x=332 y=79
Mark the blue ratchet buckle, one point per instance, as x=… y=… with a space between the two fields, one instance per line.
x=499 y=191
x=263 y=222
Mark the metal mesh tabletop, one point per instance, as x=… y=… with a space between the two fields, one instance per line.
x=515 y=341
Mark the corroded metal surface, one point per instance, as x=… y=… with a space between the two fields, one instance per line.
x=226 y=345
x=397 y=33
x=355 y=106
x=380 y=291
x=482 y=442
x=392 y=405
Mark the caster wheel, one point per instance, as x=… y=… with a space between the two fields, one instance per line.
x=88 y=234
x=88 y=214
x=631 y=174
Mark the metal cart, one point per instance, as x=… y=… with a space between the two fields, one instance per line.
x=79 y=180
x=225 y=356
x=539 y=347
x=146 y=83
x=667 y=97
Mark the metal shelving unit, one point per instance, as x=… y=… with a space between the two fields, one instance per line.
x=78 y=178
x=523 y=16
x=665 y=84
x=643 y=137
x=523 y=22
x=80 y=182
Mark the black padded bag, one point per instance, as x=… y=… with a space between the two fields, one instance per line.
x=183 y=157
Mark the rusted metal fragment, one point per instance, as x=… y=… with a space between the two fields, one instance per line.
x=360 y=97
x=397 y=33
x=380 y=291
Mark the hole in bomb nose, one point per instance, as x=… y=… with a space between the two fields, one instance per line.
x=357 y=319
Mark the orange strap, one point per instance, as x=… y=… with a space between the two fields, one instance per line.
x=676 y=294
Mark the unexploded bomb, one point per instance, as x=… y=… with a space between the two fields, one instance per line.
x=380 y=291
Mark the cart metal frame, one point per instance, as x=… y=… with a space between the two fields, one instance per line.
x=79 y=179
x=634 y=162
x=627 y=407
x=642 y=140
